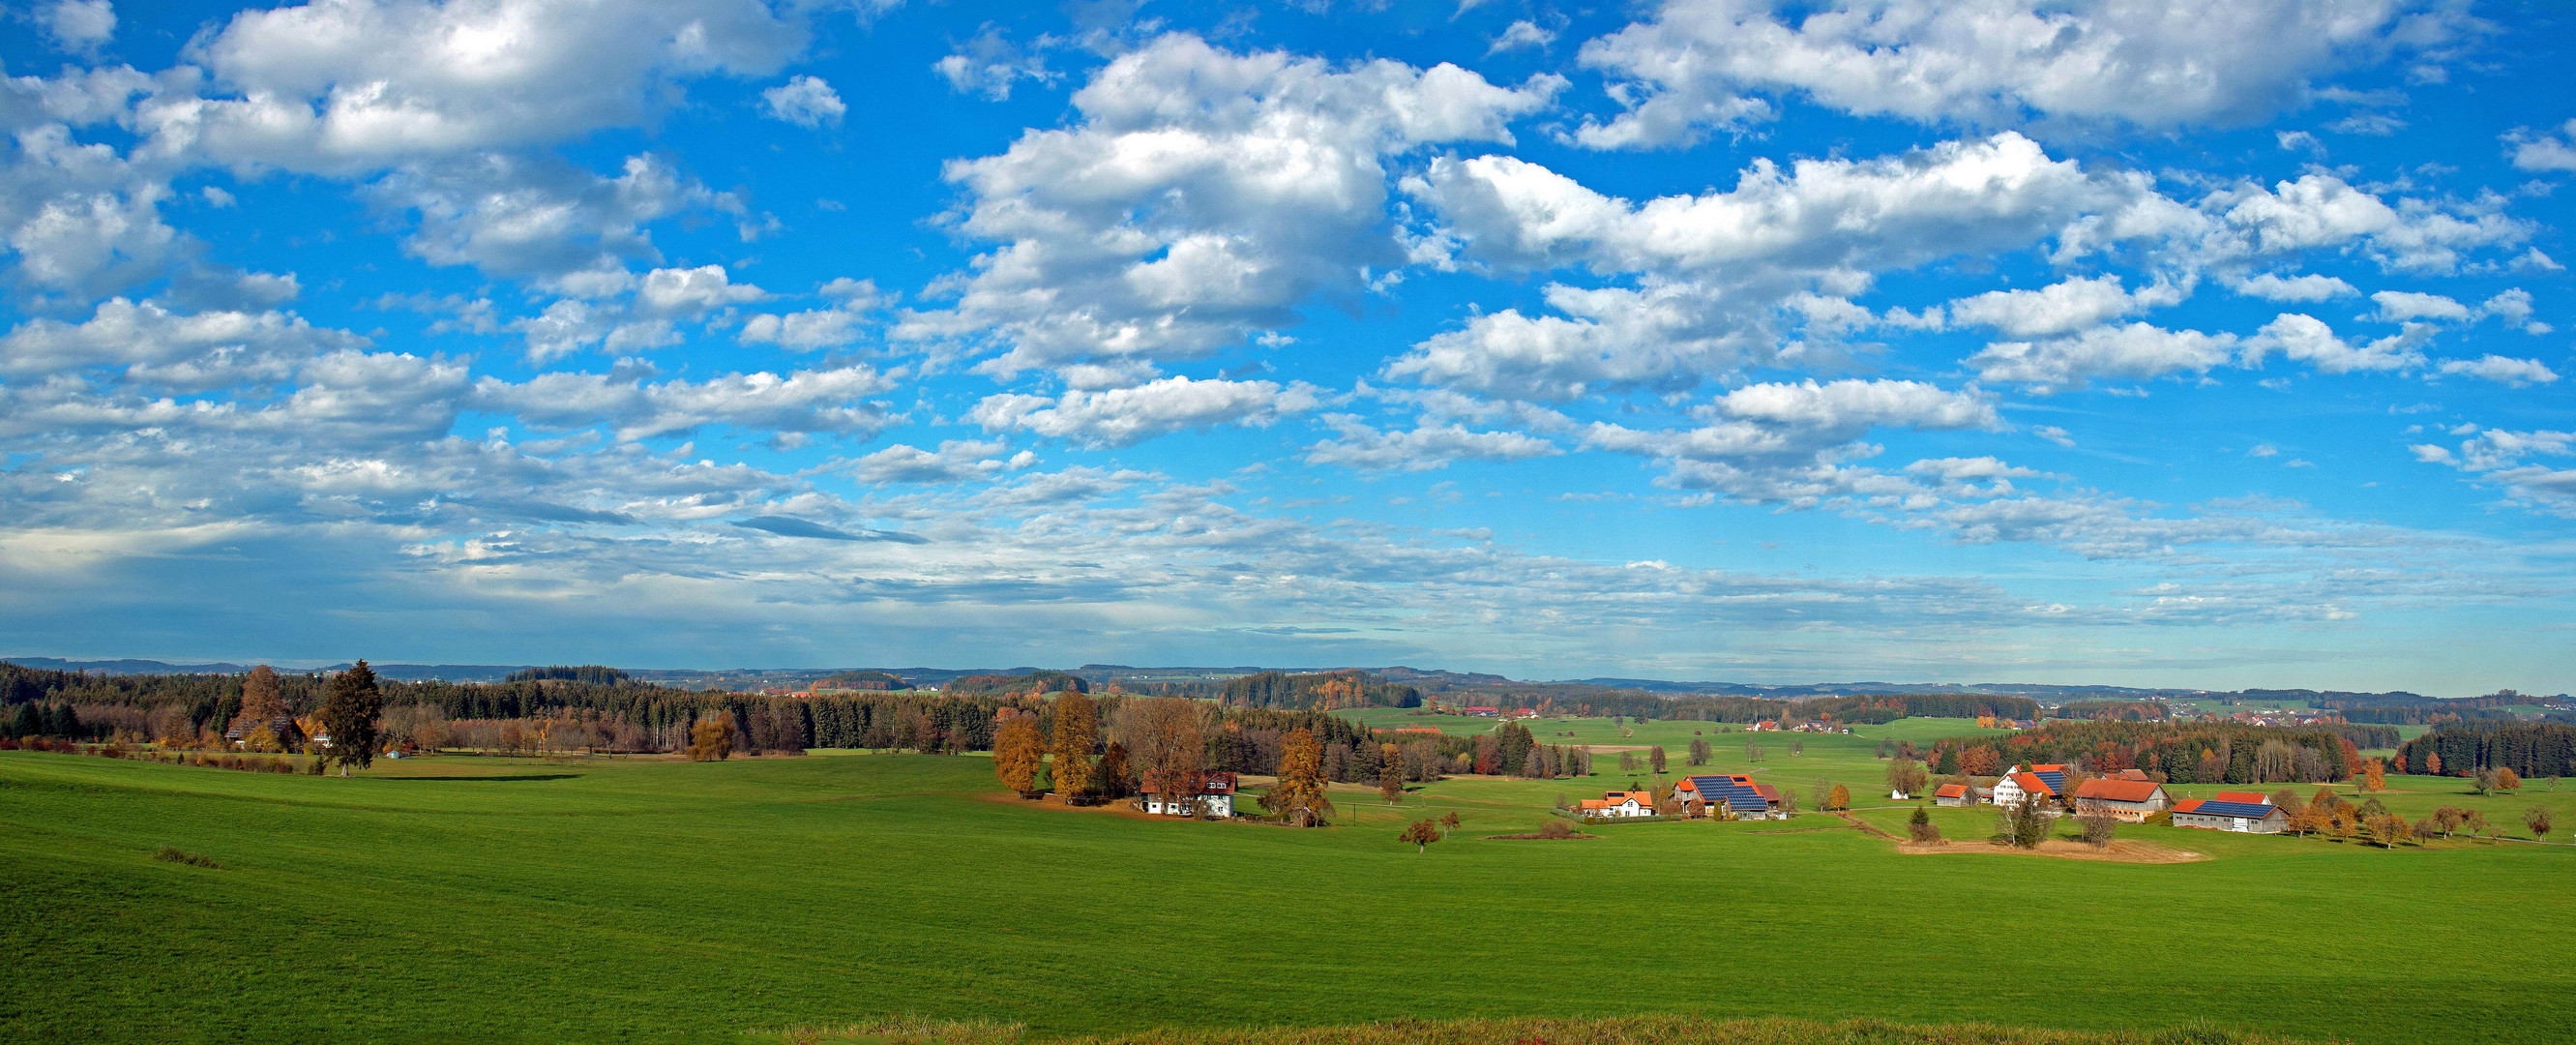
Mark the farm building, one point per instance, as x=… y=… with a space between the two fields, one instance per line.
x=1741 y=796
x=1485 y=712
x=282 y=728
x=2231 y=811
x=1955 y=795
x=2129 y=800
x=1214 y=798
x=1620 y=804
x=2043 y=783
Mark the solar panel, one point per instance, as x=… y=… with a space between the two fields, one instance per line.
x=2248 y=810
x=2055 y=779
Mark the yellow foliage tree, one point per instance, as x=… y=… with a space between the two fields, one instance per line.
x=1077 y=728
x=1300 y=796
x=711 y=739
x=1018 y=752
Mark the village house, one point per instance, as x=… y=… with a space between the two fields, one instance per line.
x=1956 y=795
x=1619 y=804
x=1739 y=794
x=2129 y=801
x=1214 y=798
x=2043 y=784
x=2241 y=811
x=1485 y=712
x=1763 y=726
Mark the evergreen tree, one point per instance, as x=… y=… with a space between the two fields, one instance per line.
x=349 y=715
x=1390 y=773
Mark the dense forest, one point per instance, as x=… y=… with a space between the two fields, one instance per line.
x=1327 y=691
x=2532 y=749
x=2186 y=753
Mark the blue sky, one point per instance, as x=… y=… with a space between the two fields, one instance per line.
x=2211 y=345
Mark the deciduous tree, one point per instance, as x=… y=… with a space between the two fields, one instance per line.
x=1017 y=752
x=1300 y=796
x=2374 y=775
x=711 y=739
x=2388 y=829
x=1166 y=740
x=349 y=716
x=1699 y=752
x=2432 y=763
x=1839 y=798
x=1905 y=775
x=1390 y=773
x=2095 y=827
x=2022 y=824
x=261 y=703
x=1077 y=729
x=1110 y=779
x=1421 y=833
x=1920 y=826
x=2537 y=819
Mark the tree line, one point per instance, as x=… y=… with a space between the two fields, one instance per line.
x=2185 y=753
x=2532 y=749
x=1324 y=691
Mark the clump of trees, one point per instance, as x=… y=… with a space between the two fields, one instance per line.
x=1699 y=751
x=1035 y=683
x=2022 y=823
x=1920 y=828
x=1906 y=776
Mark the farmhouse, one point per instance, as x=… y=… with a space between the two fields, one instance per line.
x=2242 y=811
x=2042 y=784
x=2129 y=801
x=1738 y=793
x=287 y=733
x=1485 y=712
x=1620 y=804
x=1214 y=798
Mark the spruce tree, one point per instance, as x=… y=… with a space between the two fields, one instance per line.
x=349 y=715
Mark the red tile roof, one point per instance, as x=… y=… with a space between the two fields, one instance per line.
x=2187 y=805
x=2247 y=797
x=1951 y=791
x=2052 y=767
x=2133 y=774
x=2117 y=790
x=2032 y=784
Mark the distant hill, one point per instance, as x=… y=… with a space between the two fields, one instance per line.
x=1209 y=681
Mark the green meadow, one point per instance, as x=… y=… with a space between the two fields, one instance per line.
x=480 y=899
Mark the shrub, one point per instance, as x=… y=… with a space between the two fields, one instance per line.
x=1920 y=826
x=173 y=855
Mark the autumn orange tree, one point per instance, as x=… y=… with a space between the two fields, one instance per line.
x=1839 y=798
x=1421 y=833
x=1017 y=752
x=2374 y=775
x=1390 y=772
x=711 y=739
x=1299 y=797
x=1077 y=728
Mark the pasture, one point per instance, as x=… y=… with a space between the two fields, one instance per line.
x=484 y=899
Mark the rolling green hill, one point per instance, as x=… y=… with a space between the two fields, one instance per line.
x=509 y=900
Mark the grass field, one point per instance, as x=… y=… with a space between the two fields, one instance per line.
x=491 y=899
